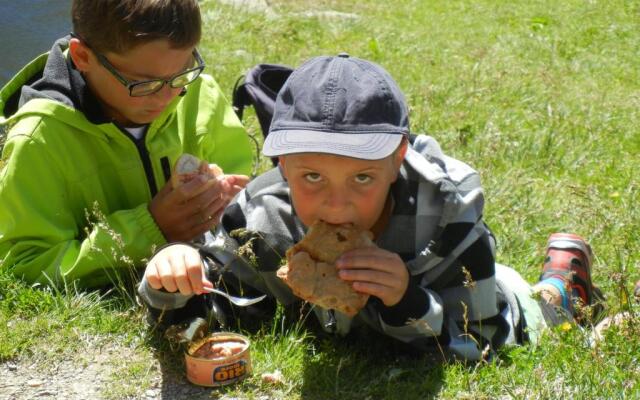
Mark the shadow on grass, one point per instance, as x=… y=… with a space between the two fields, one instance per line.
x=363 y=365
x=367 y=365
x=171 y=364
x=170 y=356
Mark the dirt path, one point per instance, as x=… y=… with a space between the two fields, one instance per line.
x=101 y=374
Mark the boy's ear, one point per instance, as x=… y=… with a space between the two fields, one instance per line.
x=398 y=157
x=80 y=55
x=281 y=166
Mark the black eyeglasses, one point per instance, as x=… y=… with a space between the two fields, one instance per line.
x=151 y=86
x=145 y=88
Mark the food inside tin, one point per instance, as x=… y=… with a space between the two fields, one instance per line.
x=219 y=349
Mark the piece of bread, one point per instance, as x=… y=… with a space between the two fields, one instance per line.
x=310 y=271
x=188 y=166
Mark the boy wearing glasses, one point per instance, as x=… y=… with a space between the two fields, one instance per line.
x=94 y=127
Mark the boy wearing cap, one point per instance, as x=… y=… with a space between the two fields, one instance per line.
x=95 y=126
x=340 y=129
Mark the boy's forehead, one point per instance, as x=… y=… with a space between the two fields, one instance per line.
x=159 y=47
x=167 y=60
x=327 y=159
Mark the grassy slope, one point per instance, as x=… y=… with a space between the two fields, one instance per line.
x=541 y=98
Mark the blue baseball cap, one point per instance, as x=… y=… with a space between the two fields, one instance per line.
x=338 y=105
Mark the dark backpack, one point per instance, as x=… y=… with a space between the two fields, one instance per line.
x=259 y=88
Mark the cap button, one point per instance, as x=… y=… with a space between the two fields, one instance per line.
x=343 y=55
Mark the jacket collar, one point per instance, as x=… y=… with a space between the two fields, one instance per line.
x=62 y=82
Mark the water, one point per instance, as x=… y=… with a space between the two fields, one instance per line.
x=28 y=28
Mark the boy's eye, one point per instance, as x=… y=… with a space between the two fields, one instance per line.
x=312 y=177
x=363 y=178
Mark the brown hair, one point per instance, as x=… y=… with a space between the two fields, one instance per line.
x=120 y=25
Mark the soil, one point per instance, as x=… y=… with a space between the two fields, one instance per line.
x=95 y=375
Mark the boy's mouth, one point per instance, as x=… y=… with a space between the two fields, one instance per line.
x=347 y=224
x=156 y=111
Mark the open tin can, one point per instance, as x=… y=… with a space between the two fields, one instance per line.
x=219 y=359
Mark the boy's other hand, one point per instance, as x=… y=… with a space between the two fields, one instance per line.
x=185 y=212
x=375 y=271
x=236 y=183
x=177 y=268
x=191 y=209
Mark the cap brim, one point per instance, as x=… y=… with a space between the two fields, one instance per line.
x=367 y=146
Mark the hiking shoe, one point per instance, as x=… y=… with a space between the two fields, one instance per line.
x=569 y=258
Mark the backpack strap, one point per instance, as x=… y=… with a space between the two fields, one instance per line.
x=240 y=97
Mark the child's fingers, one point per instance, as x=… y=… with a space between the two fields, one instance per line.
x=166 y=274
x=166 y=189
x=205 y=280
x=184 y=267
x=207 y=219
x=237 y=180
x=193 y=188
x=182 y=274
x=366 y=275
x=152 y=275
x=373 y=289
x=214 y=207
x=201 y=201
x=176 y=268
x=376 y=272
x=218 y=214
x=369 y=260
x=195 y=271
x=389 y=294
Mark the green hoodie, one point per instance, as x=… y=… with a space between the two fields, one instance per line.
x=75 y=188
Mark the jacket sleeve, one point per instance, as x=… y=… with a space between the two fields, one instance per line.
x=453 y=276
x=220 y=136
x=41 y=234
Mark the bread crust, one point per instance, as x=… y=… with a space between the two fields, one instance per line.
x=311 y=273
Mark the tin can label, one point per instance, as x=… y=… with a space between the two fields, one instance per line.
x=229 y=373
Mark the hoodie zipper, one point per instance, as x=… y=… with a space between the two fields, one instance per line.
x=144 y=157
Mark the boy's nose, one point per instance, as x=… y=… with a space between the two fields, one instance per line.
x=337 y=200
x=166 y=93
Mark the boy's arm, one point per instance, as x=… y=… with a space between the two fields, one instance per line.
x=225 y=141
x=420 y=312
x=41 y=234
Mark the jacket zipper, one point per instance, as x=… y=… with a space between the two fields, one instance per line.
x=144 y=157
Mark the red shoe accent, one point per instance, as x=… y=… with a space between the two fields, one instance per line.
x=569 y=257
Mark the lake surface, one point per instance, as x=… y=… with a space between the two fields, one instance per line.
x=28 y=28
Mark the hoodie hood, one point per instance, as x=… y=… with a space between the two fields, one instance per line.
x=52 y=76
x=51 y=85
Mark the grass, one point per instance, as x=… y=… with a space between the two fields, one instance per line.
x=540 y=97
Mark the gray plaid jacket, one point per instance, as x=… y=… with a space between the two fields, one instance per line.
x=436 y=227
